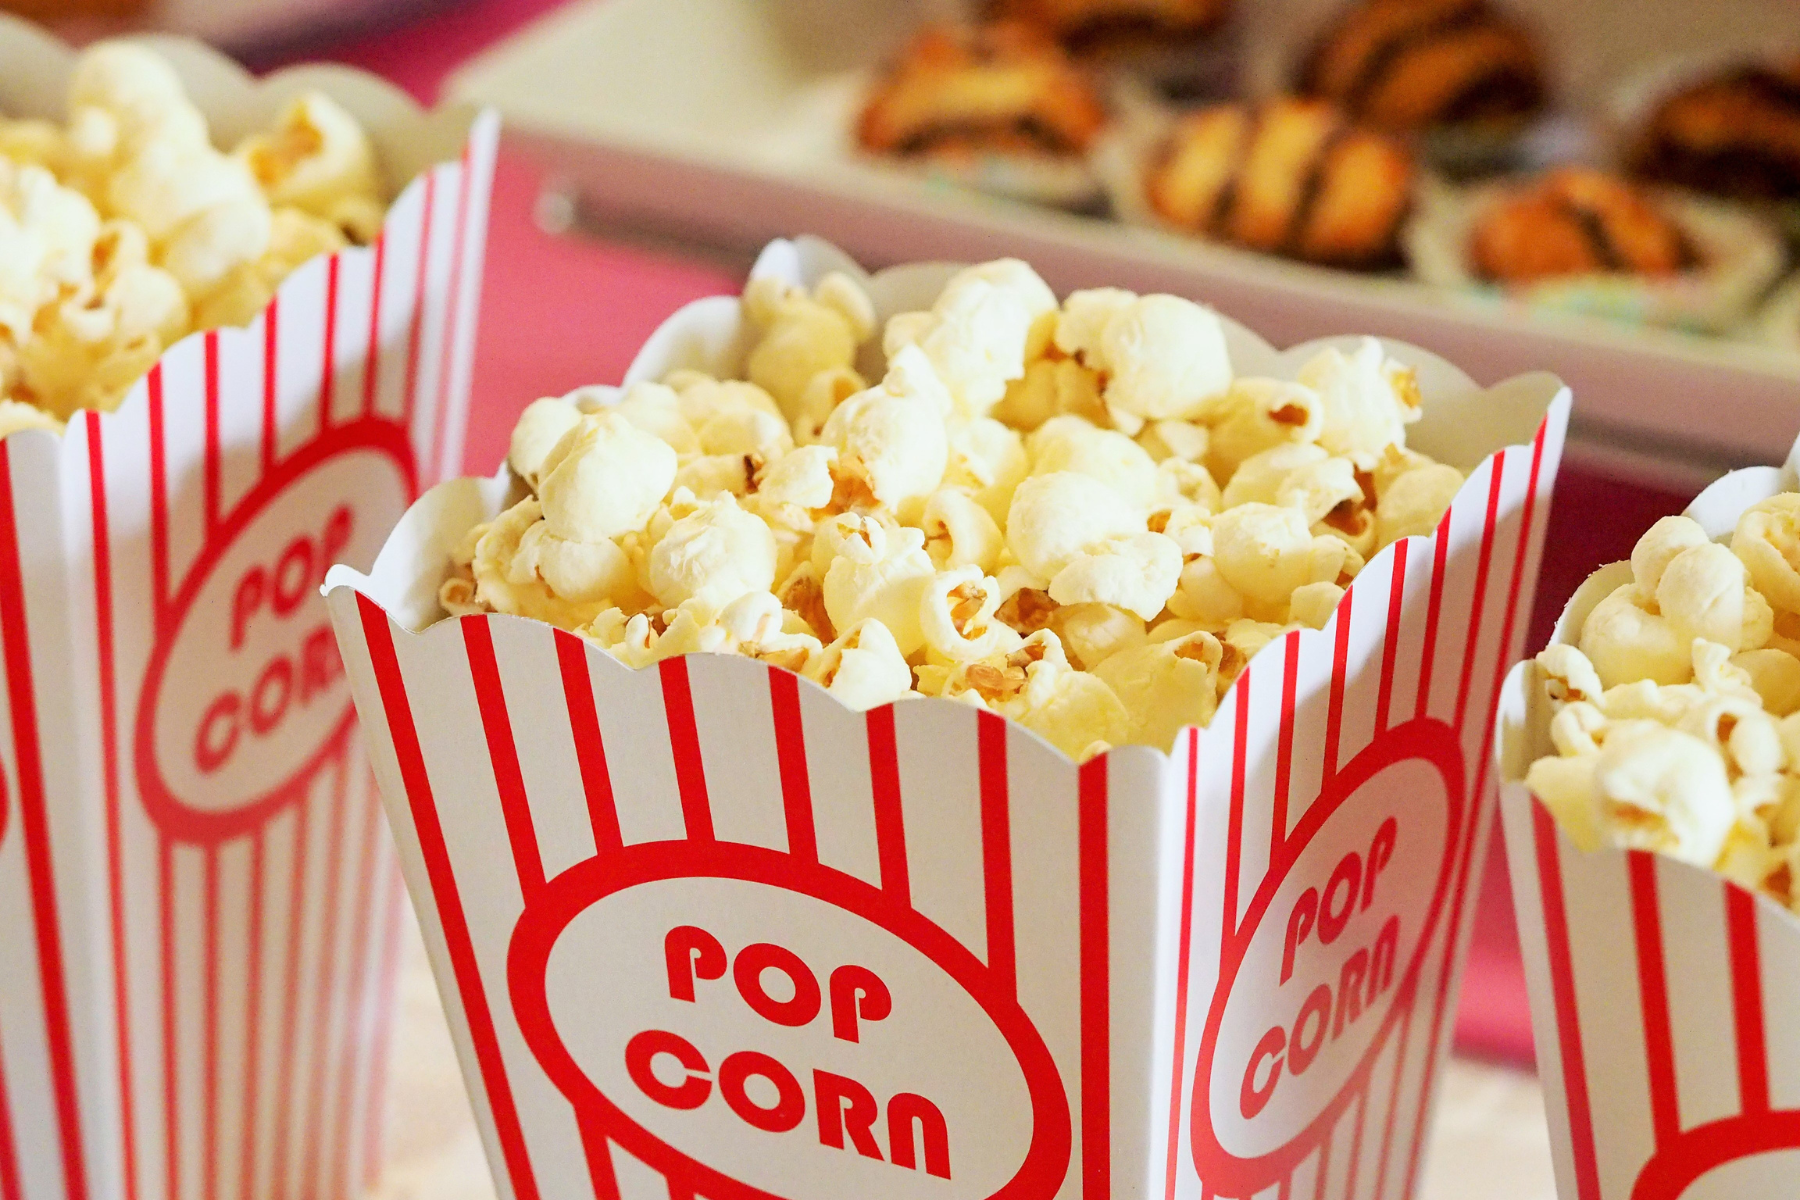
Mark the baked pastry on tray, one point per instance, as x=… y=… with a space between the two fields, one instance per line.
x=1577 y=221
x=1735 y=133
x=1103 y=26
x=1291 y=177
x=997 y=88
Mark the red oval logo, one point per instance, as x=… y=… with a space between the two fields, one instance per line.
x=1752 y=1154
x=1327 y=958
x=755 y=1026
x=245 y=697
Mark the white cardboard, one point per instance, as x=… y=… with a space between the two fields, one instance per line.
x=1660 y=992
x=1076 y=965
x=197 y=899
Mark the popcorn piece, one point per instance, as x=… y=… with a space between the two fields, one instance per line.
x=1056 y=518
x=712 y=556
x=988 y=461
x=956 y=616
x=1775 y=675
x=1163 y=357
x=1177 y=440
x=1051 y=387
x=1369 y=399
x=1074 y=444
x=539 y=428
x=1660 y=789
x=15 y=416
x=507 y=581
x=891 y=442
x=1262 y=415
x=1186 y=484
x=1704 y=592
x=1166 y=686
x=1137 y=573
x=1264 y=553
x=827 y=390
x=1626 y=643
x=604 y=477
x=1768 y=540
x=577 y=571
x=874 y=569
x=1415 y=502
x=805 y=335
x=863 y=668
x=1569 y=678
x=1093 y=633
x=1035 y=686
x=988 y=322
x=800 y=478
x=1314 y=604
x=959 y=532
x=317 y=159
x=1659 y=546
x=653 y=408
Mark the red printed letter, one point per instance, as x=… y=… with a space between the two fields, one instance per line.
x=1381 y=962
x=269 y=698
x=248 y=598
x=793 y=1012
x=691 y=953
x=320 y=664
x=790 y=1102
x=335 y=537
x=1252 y=1099
x=903 y=1110
x=210 y=751
x=1346 y=880
x=1350 y=981
x=640 y=1061
x=293 y=574
x=1318 y=1007
x=857 y=992
x=1300 y=923
x=831 y=1093
x=1381 y=850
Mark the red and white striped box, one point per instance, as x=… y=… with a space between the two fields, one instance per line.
x=701 y=931
x=1660 y=992
x=198 y=897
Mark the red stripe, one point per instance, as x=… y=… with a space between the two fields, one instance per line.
x=109 y=761
x=590 y=747
x=159 y=500
x=503 y=752
x=253 y=1026
x=790 y=754
x=1747 y=998
x=1356 y=1140
x=372 y=365
x=996 y=850
x=1284 y=756
x=1234 y=838
x=684 y=737
x=10 y=1186
x=1478 y=599
x=210 y=1049
x=271 y=381
x=438 y=468
x=165 y=890
x=214 y=455
x=363 y=999
x=447 y=898
x=290 y=987
x=328 y=367
x=1440 y=561
x=890 y=820
x=1340 y=667
x=1324 y=1170
x=418 y=316
x=1387 y=1133
x=327 y=980
x=1096 y=987
x=376 y=1091
x=1390 y=650
x=1653 y=995
x=1562 y=987
x=1183 y=952
x=35 y=828
x=599 y=1159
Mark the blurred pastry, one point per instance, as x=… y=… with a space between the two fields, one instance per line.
x=1106 y=27
x=1734 y=134
x=1002 y=87
x=1415 y=64
x=1291 y=177
x=1577 y=221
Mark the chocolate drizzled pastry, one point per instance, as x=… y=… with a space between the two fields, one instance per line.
x=1104 y=27
x=1000 y=87
x=1577 y=221
x=1290 y=177
x=1736 y=134
x=1411 y=64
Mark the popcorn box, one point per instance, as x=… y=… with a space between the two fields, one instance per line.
x=701 y=930
x=1658 y=989
x=197 y=897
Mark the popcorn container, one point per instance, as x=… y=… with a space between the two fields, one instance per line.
x=1658 y=988
x=702 y=930
x=198 y=901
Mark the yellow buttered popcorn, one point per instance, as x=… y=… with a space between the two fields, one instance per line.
x=1674 y=715
x=1074 y=515
x=124 y=227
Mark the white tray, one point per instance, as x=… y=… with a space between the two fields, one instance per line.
x=1489 y=1143
x=722 y=122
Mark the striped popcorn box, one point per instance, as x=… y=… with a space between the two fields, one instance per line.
x=1657 y=988
x=198 y=897
x=702 y=931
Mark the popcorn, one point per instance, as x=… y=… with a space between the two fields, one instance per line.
x=318 y=159
x=1072 y=516
x=1768 y=540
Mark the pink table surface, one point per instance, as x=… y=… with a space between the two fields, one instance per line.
x=559 y=312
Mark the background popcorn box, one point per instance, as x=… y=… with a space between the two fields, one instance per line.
x=1660 y=992
x=702 y=931
x=197 y=897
